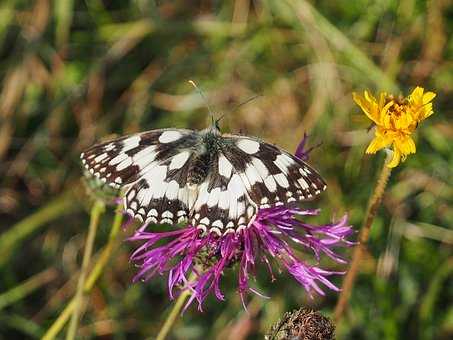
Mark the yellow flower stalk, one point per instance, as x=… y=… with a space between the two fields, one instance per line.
x=396 y=118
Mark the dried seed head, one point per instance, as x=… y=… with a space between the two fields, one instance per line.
x=303 y=324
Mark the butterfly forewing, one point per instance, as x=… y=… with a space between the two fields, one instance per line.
x=153 y=167
x=123 y=160
x=271 y=175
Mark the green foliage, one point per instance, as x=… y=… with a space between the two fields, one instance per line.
x=75 y=72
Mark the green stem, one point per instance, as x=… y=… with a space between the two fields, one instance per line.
x=169 y=322
x=96 y=211
x=373 y=205
x=95 y=273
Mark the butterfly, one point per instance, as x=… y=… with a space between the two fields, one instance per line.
x=216 y=181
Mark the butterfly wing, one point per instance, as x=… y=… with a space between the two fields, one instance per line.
x=161 y=195
x=223 y=204
x=245 y=175
x=271 y=175
x=120 y=161
x=153 y=166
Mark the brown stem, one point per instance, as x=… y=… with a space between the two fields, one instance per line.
x=373 y=205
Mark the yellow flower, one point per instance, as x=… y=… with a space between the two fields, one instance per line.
x=396 y=118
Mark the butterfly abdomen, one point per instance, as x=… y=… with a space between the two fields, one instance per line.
x=198 y=169
x=202 y=163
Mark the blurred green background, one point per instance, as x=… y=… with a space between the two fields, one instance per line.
x=74 y=72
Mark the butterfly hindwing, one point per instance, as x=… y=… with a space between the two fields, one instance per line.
x=161 y=195
x=223 y=204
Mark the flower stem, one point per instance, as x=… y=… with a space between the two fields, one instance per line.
x=174 y=312
x=95 y=273
x=373 y=205
x=96 y=211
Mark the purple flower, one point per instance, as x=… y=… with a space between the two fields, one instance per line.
x=303 y=153
x=269 y=239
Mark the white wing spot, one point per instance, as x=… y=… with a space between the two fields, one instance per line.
x=249 y=146
x=205 y=221
x=121 y=157
x=218 y=224
x=225 y=167
x=250 y=211
x=169 y=136
x=124 y=164
x=131 y=143
x=270 y=183
x=110 y=147
x=168 y=214
x=260 y=167
x=282 y=180
x=101 y=157
x=179 y=160
x=252 y=174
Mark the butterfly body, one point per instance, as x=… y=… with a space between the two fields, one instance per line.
x=215 y=181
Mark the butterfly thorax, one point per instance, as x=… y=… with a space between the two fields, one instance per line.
x=211 y=144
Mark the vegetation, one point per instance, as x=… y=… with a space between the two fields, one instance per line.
x=76 y=72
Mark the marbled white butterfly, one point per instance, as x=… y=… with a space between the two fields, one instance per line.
x=216 y=181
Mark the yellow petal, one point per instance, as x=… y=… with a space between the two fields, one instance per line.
x=417 y=94
x=369 y=108
x=427 y=111
x=376 y=144
x=369 y=97
x=395 y=159
x=384 y=118
x=427 y=97
x=406 y=145
x=382 y=98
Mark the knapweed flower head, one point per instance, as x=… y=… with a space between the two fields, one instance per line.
x=196 y=260
x=269 y=238
x=396 y=118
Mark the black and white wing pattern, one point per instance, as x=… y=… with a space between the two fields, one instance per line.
x=153 y=167
x=271 y=175
x=216 y=181
x=246 y=175
x=223 y=204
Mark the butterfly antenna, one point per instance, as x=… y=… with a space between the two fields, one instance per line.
x=191 y=82
x=239 y=105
